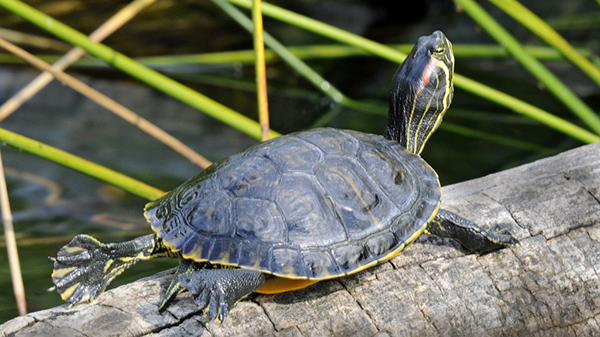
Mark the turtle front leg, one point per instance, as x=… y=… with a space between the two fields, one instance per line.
x=449 y=225
x=185 y=267
x=218 y=290
x=85 y=266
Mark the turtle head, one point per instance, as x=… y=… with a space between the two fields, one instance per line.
x=421 y=92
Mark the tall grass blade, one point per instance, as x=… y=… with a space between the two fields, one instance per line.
x=79 y=164
x=540 y=28
x=536 y=68
x=261 y=71
x=111 y=105
x=144 y=74
x=11 y=246
x=109 y=27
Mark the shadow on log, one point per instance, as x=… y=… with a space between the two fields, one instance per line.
x=546 y=285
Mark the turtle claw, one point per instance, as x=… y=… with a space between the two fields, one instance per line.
x=216 y=291
x=218 y=307
x=85 y=266
x=185 y=267
x=202 y=300
x=209 y=297
x=474 y=238
x=78 y=269
x=501 y=235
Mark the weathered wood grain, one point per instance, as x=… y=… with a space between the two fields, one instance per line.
x=547 y=285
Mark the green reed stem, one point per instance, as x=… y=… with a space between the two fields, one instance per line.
x=144 y=74
x=309 y=52
x=296 y=63
x=79 y=164
x=536 y=68
x=261 y=71
x=506 y=141
x=548 y=34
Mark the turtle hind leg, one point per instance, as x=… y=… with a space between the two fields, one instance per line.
x=218 y=290
x=85 y=266
x=449 y=225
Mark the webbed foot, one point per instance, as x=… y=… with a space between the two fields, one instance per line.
x=450 y=225
x=85 y=266
x=500 y=235
x=78 y=274
x=216 y=291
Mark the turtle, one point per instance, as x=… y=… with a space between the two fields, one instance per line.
x=297 y=209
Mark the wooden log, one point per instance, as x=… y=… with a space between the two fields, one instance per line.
x=546 y=285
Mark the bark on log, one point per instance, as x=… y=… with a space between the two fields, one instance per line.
x=546 y=285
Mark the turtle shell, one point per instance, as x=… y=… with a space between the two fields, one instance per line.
x=310 y=205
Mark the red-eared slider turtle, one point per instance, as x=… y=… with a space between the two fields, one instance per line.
x=297 y=209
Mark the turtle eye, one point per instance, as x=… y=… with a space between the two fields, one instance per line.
x=439 y=51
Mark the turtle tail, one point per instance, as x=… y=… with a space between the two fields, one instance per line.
x=85 y=266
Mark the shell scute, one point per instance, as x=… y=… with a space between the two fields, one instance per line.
x=254 y=177
x=259 y=220
x=309 y=213
x=255 y=255
x=380 y=244
x=286 y=262
x=361 y=203
x=319 y=264
x=351 y=256
x=336 y=142
x=296 y=156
